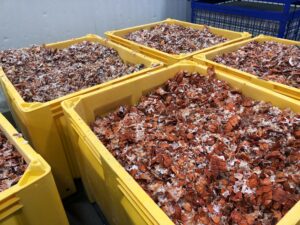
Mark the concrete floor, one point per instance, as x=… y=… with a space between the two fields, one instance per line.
x=80 y=211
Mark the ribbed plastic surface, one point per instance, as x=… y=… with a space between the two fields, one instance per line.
x=34 y=200
x=279 y=18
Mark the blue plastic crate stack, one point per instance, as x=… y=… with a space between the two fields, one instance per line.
x=276 y=17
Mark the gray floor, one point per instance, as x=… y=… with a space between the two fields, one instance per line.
x=80 y=211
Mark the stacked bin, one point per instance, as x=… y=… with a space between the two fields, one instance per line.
x=120 y=197
x=207 y=59
x=34 y=200
x=279 y=18
x=118 y=37
x=43 y=124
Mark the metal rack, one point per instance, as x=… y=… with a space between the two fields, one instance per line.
x=274 y=17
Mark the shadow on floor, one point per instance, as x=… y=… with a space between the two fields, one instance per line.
x=80 y=211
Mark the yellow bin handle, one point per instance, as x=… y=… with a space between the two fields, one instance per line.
x=9 y=206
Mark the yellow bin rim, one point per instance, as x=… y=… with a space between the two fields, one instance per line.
x=50 y=139
x=118 y=37
x=36 y=169
x=30 y=106
x=207 y=57
x=292 y=217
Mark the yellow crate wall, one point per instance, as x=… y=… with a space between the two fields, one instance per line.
x=34 y=200
x=207 y=59
x=43 y=124
x=118 y=37
x=120 y=197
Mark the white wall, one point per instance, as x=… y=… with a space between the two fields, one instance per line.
x=27 y=22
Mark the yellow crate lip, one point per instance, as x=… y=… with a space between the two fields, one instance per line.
x=203 y=57
x=114 y=35
x=144 y=199
x=122 y=174
x=37 y=167
x=31 y=106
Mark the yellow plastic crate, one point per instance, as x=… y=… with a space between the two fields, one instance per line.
x=117 y=37
x=43 y=124
x=206 y=59
x=120 y=197
x=34 y=200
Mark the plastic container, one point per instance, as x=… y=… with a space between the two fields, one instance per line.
x=120 y=197
x=117 y=37
x=43 y=124
x=206 y=59
x=279 y=18
x=34 y=200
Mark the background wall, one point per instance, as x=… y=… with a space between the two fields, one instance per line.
x=27 y=22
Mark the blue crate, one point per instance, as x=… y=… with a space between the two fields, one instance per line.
x=276 y=17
